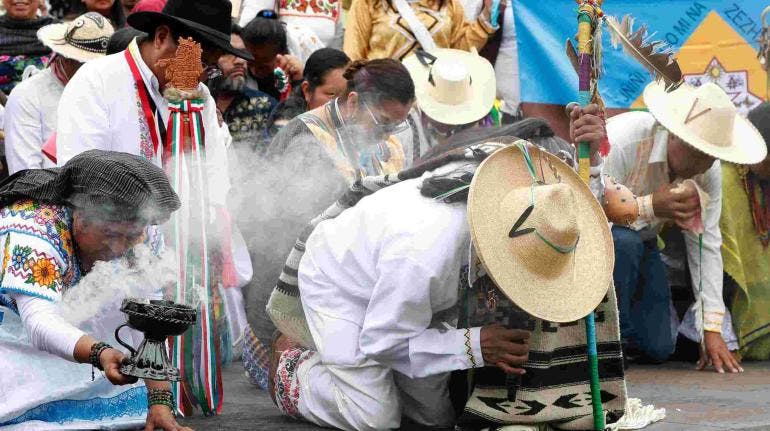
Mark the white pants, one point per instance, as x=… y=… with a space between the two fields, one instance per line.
x=340 y=388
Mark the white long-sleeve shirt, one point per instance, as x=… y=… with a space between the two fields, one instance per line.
x=387 y=266
x=639 y=159
x=46 y=328
x=99 y=109
x=31 y=120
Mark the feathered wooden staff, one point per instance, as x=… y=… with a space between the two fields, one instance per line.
x=587 y=62
x=655 y=55
x=657 y=58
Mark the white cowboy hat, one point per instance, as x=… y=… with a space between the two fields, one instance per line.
x=457 y=87
x=85 y=38
x=540 y=233
x=705 y=118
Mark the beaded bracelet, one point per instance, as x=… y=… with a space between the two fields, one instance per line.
x=161 y=397
x=93 y=357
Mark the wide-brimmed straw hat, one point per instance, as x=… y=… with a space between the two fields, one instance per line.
x=452 y=86
x=207 y=21
x=85 y=38
x=705 y=118
x=540 y=233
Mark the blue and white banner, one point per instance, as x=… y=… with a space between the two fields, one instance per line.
x=715 y=41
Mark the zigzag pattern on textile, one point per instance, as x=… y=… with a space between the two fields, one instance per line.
x=556 y=387
x=132 y=402
x=46 y=236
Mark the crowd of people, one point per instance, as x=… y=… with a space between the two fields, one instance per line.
x=362 y=215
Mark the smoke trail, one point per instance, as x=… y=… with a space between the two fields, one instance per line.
x=140 y=274
x=272 y=200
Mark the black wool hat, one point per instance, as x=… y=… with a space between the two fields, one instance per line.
x=208 y=21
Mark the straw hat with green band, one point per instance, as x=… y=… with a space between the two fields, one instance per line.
x=540 y=233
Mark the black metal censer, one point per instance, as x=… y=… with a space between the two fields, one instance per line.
x=158 y=320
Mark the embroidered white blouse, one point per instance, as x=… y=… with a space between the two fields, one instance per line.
x=100 y=109
x=31 y=119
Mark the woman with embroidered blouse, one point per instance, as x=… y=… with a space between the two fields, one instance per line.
x=55 y=224
x=381 y=29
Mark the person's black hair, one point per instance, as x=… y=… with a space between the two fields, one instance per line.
x=236 y=29
x=760 y=118
x=264 y=31
x=117 y=14
x=286 y=110
x=381 y=79
x=320 y=63
x=120 y=39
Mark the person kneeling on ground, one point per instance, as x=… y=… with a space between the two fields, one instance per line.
x=56 y=224
x=669 y=157
x=383 y=278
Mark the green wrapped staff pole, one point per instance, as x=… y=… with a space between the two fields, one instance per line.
x=589 y=13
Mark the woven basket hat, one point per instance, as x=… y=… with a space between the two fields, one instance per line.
x=540 y=233
x=706 y=118
x=83 y=39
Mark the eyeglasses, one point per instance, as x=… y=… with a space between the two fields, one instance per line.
x=386 y=128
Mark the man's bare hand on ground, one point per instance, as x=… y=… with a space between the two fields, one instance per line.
x=507 y=349
x=717 y=354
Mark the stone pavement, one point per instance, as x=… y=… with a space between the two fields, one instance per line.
x=693 y=400
x=704 y=400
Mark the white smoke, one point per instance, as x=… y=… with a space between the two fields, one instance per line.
x=141 y=274
x=272 y=200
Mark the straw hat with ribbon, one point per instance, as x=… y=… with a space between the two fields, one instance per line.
x=452 y=87
x=85 y=38
x=540 y=233
x=705 y=118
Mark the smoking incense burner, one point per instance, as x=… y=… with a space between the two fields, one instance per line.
x=158 y=320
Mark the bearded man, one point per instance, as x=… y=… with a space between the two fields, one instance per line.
x=245 y=110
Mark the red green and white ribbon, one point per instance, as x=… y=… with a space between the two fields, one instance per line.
x=195 y=353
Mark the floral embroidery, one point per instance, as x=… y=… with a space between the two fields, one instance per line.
x=44 y=273
x=146 y=146
x=12 y=69
x=35 y=268
x=39 y=268
x=20 y=256
x=45 y=214
x=320 y=8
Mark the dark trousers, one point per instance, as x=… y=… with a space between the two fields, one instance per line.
x=643 y=295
